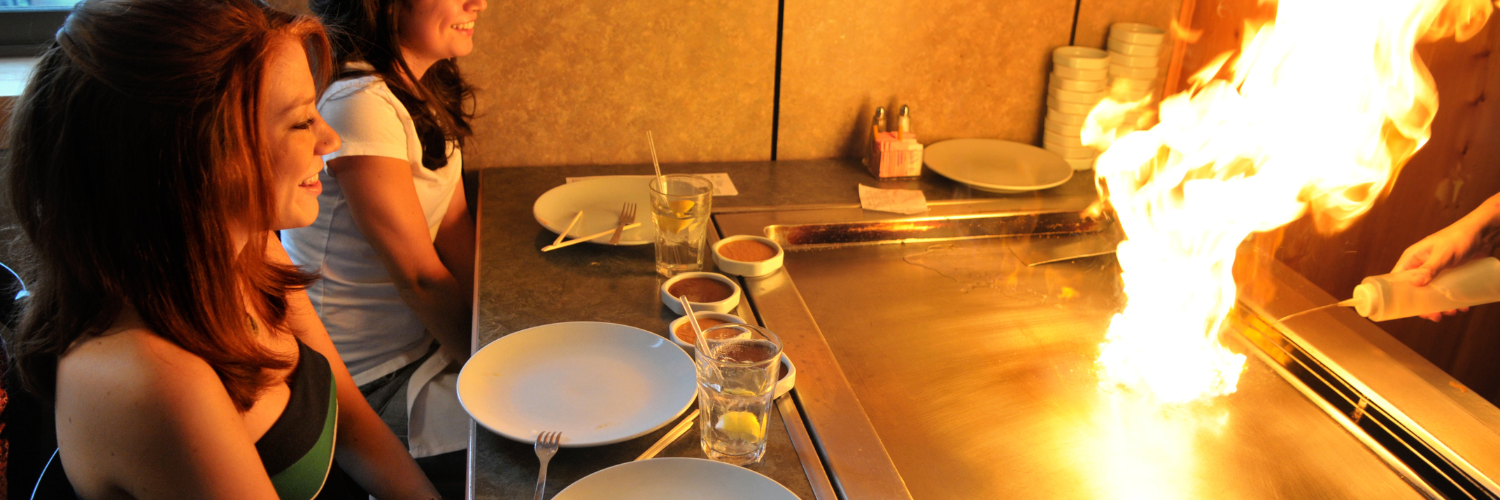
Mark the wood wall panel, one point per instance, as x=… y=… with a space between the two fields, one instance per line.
x=967 y=68
x=1457 y=170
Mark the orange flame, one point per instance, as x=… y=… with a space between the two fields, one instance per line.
x=1318 y=113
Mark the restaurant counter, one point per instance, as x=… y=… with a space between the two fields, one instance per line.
x=519 y=287
x=933 y=361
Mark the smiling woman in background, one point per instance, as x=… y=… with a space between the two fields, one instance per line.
x=394 y=240
x=157 y=145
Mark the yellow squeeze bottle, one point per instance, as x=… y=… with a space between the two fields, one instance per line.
x=1392 y=296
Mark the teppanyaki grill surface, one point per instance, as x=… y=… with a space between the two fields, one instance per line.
x=978 y=374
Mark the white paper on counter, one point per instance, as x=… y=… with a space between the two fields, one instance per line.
x=722 y=185
x=901 y=201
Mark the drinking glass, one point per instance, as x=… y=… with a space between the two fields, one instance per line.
x=737 y=367
x=680 y=205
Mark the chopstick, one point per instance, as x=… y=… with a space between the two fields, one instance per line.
x=582 y=239
x=564 y=233
x=672 y=435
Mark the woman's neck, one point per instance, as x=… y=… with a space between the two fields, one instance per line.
x=417 y=64
x=238 y=238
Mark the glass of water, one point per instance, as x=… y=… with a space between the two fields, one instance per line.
x=680 y=206
x=737 y=367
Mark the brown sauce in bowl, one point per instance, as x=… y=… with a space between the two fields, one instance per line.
x=685 y=331
x=701 y=290
x=746 y=251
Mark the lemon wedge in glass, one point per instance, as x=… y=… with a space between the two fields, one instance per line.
x=740 y=426
x=680 y=211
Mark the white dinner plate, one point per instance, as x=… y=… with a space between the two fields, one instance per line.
x=600 y=200
x=597 y=383
x=997 y=166
x=671 y=478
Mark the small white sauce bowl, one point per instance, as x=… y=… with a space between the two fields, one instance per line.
x=1143 y=34
x=783 y=384
x=748 y=269
x=1090 y=98
x=1129 y=72
x=722 y=306
x=1081 y=164
x=1133 y=61
x=1122 y=83
x=1079 y=153
x=1056 y=139
x=1053 y=126
x=1080 y=74
x=1080 y=57
x=1071 y=108
x=1134 y=49
x=786 y=382
x=1066 y=118
x=682 y=322
x=1056 y=81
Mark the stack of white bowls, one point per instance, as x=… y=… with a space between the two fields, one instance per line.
x=1135 y=52
x=1079 y=80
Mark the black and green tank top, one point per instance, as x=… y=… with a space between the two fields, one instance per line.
x=298 y=449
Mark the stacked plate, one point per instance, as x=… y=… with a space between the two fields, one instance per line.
x=1079 y=80
x=1134 y=60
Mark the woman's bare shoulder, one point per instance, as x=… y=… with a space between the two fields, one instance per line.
x=130 y=394
x=129 y=355
x=129 y=374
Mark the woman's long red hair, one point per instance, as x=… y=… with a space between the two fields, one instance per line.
x=134 y=151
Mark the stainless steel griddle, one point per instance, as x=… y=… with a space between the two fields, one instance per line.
x=934 y=363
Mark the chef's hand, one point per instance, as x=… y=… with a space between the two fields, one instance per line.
x=1470 y=237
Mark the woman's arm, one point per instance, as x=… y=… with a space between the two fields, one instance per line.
x=384 y=203
x=455 y=241
x=366 y=449
x=131 y=395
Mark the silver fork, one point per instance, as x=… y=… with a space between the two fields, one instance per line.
x=627 y=216
x=546 y=446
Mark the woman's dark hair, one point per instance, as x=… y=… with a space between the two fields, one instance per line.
x=366 y=30
x=134 y=151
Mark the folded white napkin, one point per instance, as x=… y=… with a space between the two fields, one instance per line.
x=901 y=201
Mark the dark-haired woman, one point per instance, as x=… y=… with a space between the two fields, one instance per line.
x=157 y=145
x=394 y=240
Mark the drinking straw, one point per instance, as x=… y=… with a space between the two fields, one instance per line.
x=652 y=142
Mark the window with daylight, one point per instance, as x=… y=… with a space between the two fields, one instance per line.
x=26 y=24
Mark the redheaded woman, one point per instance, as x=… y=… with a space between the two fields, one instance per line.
x=157 y=146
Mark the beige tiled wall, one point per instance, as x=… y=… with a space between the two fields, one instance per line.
x=967 y=68
x=580 y=81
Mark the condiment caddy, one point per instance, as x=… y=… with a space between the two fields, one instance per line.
x=893 y=154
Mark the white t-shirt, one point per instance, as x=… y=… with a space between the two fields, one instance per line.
x=375 y=331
